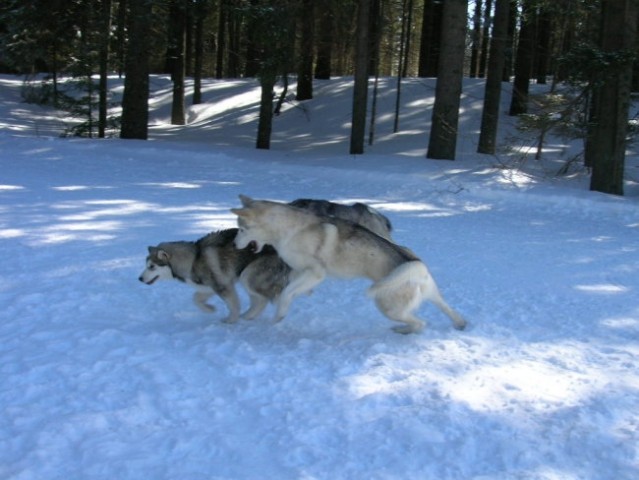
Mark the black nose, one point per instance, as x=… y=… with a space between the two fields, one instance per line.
x=141 y=279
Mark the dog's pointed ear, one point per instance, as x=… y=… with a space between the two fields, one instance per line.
x=162 y=255
x=246 y=201
x=151 y=250
x=240 y=212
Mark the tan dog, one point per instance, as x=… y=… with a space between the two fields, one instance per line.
x=316 y=246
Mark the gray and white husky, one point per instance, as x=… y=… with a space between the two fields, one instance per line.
x=213 y=265
x=317 y=246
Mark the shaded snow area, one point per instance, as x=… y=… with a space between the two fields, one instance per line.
x=103 y=377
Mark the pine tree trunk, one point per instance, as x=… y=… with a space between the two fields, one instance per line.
x=135 y=102
x=523 y=61
x=490 y=113
x=178 y=110
x=543 y=45
x=200 y=15
x=608 y=133
x=476 y=40
x=483 y=58
x=429 y=49
x=324 y=41
x=360 y=90
x=305 y=67
x=221 y=39
x=104 y=61
x=443 y=134
x=265 y=123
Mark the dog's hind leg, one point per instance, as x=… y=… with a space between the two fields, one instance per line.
x=301 y=282
x=398 y=306
x=200 y=297
x=258 y=304
x=430 y=292
x=229 y=295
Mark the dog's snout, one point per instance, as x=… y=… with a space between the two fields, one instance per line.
x=141 y=279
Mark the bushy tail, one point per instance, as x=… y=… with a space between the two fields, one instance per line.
x=416 y=274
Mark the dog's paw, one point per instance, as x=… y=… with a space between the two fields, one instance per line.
x=230 y=319
x=407 y=329
x=205 y=307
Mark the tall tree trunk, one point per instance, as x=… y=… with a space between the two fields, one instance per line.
x=483 y=59
x=608 y=133
x=234 y=22
x=476 y=40
x=178 y=110
x=200 y=13
x=402 y=63
x=443 y=134
x=324 y=41
x=305 y=66
x=523 y=60
x=429 y=49
x=409 y=29
x=252 y=65
x=360 y=90
x=490 y=113
x=265 y=123
x=375 y=56
x=508 y=54
x=543 y=44
x=121 y=37
x=221 y=39
x=135 y=101
x=104 y=64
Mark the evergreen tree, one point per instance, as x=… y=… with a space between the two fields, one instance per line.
x=607 y=142
x=443 y=134
x=135 y=102
x=492 y=95
x=360 y=89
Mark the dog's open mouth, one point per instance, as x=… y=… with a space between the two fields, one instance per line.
x=253 y=246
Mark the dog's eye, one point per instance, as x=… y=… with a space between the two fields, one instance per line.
x=151 y=267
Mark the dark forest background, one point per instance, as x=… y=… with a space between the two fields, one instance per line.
x=585 y=50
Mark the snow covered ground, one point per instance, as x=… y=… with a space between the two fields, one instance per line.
x=102 y=377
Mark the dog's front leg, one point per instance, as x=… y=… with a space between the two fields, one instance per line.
x=302 y=281
x=200 y=298
x=229 y=295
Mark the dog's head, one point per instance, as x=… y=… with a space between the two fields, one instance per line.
x=157 y=266
x=254 y=228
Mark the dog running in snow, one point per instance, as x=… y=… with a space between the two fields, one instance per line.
x=213 y=265
x=318 y=246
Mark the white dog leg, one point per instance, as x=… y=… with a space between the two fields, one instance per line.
x=398 y=305
x=431 y=293
x=458 y=321
x=200 y=297
x=302 y=282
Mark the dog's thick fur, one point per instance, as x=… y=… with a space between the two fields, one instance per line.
x=213 y=266
x=359 y=213
x=316 y=246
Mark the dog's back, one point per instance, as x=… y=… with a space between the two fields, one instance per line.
x=359 y=213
